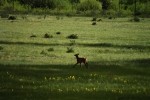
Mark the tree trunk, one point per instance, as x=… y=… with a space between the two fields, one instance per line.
x=13 y=5
x=134 y=7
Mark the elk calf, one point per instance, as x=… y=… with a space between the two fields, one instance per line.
x=81 y=60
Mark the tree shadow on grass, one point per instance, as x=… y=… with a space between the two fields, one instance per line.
x=39 y=72
x=131 y=67
x=46 y=94
x=28 y=43
x=141 y=62
x=110 y=45
x=140 y=47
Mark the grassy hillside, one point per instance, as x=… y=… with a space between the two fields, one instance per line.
x=118 y=53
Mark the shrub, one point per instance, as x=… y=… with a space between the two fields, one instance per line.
x=73 y=36
x=124 y=13
x=99 y=20
x=48 y=36
x=32 y=36
x=94 y=19
x=72 y=42
x=12 y=17
x=59 y=4
x=136 y=19
x=70 y=49
x=58 y=33
x=94 y=23
x=58 y=17
x=111 y=13
x=70 y=14
x=89 y=5
x=24 y=16
x=1 y=48
x=50 y=49
x=43 y=52
x=110 y=17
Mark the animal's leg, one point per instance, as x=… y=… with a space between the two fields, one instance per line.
x=86 y=65
x=80 y=64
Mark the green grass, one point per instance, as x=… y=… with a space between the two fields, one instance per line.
x=118 y=53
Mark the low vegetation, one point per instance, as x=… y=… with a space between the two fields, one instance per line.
x=50 y=49
x=94 y=8
x=70 y=49
x=73 y=36
x=58 y=33
x=1 y=48
x=48 y=36
x=117 y=52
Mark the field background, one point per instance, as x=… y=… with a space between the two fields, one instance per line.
x=118 y=53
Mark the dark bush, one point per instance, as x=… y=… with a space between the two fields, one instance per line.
x=131 y=20
x=110 y=17
x=59 y=17
x=136 y=19
x=94 y=19
x=32 y=36
x=94 y=23
x=99 y=20
x=1 y=48
x=58 y=33
x=89 y=5
x=73 y=36
x=70 y=49
x=48 y=36
x=24 y=16
x=72 y=42
x=12 y=18
x=50 y=49
x=43 y=52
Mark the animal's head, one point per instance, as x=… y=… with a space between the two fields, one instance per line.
x=76 y=54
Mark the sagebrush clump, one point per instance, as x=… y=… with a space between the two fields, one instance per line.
x=33 y=36
x=12 y=18
x=48 y=36
x=136 y=19
x=58 y=33
x=94 y=23
x=73 y=36
x=72 y=42
x=1 y=48
x=70 y=49
x=94 y=19
x=50 y=49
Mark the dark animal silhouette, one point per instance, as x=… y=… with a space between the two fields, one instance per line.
x=81 y=60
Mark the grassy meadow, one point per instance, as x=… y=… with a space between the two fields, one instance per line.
x=38 y=68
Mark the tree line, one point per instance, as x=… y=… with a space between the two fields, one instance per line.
x=85 y=7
